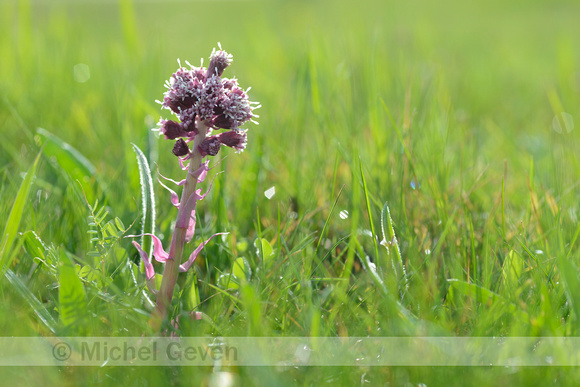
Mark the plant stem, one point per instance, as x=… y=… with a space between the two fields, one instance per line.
x=186 y=207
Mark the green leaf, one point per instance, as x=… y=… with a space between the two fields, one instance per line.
x=70 y=160
x=71 y=295
x=264 y=249
x=147 y=201
x=241 y=269
x=228 y=281
x=13 y=223
x=34 y=246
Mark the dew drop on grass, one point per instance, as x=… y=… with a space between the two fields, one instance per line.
x=563 y=123
x=81 y=73
x=270 y=192
x=343 y=214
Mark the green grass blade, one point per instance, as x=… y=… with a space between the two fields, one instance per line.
x=34 y=303
x=324 y=229
x=396 y=309
x=483 y=296
x=400 y=136
x=71 y=160
x=366 y=192
x=390 y=239
x=571 y=280
x=13 y=223
x=147 y=201
x=512 y=269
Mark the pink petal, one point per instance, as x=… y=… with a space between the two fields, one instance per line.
x=185 y=267
x=158 y=252
x=183 y=220
x=201 y=172
x=190 y=228
x=182 y=182
x=174 y=197
x=183 y=167
x=198 y=192
x=149 y=272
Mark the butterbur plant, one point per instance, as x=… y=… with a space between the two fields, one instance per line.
x=210 y=110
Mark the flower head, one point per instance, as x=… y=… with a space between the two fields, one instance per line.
x=202 y=95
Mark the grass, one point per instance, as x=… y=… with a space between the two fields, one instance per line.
x=443 y=111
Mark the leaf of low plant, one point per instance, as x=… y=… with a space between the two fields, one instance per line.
x=241 y=269
x=264 y=249
x=34 y=246
x=71 y=295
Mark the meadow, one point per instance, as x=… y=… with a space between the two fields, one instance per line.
x=449 y=127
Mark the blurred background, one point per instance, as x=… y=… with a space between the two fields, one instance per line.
x=447 y=107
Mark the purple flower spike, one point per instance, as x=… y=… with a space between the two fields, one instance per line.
x=203 y=101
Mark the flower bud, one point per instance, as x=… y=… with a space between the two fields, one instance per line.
x=210 y=146
x=218 y=61
x=234 y=139
x=172 y=129
x=180 y=148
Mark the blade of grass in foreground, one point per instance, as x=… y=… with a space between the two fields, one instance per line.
x=34 y=303
x=390 y=239
x=569 y=273
x=366 y=192
x=13 y=223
